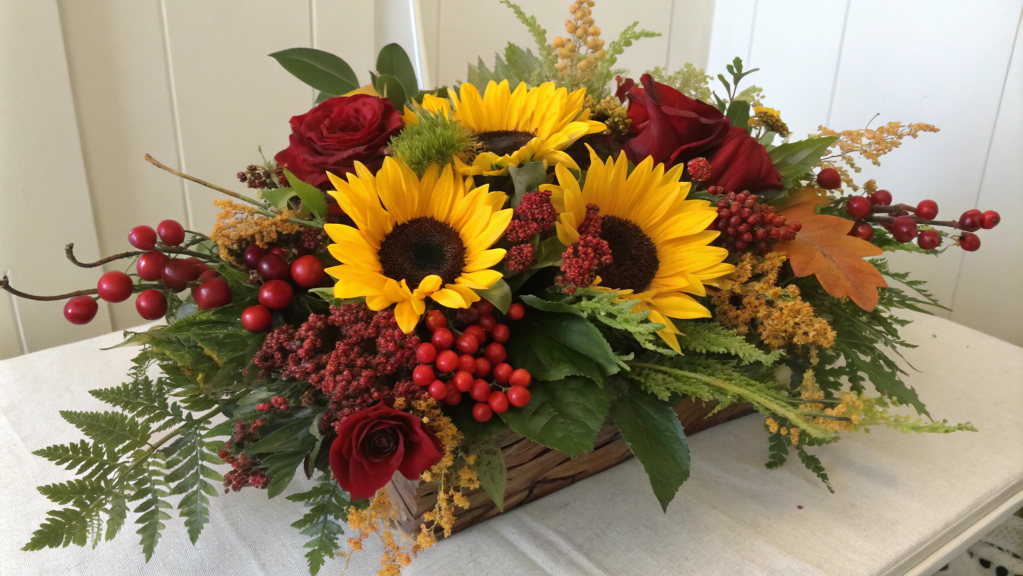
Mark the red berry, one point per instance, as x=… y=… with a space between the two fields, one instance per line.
x=463 y=381
x=500 y=333
x=80 y=310
x=881 y=198
x=423 y=375
x=275 y=294
x=480 y=391
x=516 y=311
x=466 y=363
x=502 y=372
x=971 y=220
x=862 y=230
x=969 y=242
x=150 y=265
x=177 y=273
x=436 y=320
x=447 y=361
x=142 y=237
x=482 y=412
x=206 y=275
x=453 y=397
x=989 y=219
x=253 y=254
x=279 y=250
x=151 y=304
x=437 y=390
x=498 y=401
x=443 y=338
x=858 y=207
x=929 y=239
x=468 y=315
x=520 y=377
x=307 y=271
x=198 y=265
x=426 y=353
x=467 y=344
x=487 y=322
x=475 y=330
x=904 y=229
x=496 y=353
x=273 y=267
x=829 y=179
x=171 y=232
x=518 y=396
x=927 y=209
x=212 y=293
x=483 y=307
x=482 y=368
x=114 y=286
x=257 y=318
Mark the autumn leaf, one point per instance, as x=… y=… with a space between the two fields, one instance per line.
x=824 y=248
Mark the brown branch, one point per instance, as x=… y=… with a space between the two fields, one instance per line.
x=69 y=252
x=230 y=193
x=891 y=219
x=6 y=285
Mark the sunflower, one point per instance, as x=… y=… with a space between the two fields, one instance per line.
x=415 y=238
x=658 y=239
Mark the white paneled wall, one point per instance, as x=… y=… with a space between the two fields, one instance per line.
x=86 y=88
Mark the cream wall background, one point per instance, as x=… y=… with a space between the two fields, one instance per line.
x=87 y=87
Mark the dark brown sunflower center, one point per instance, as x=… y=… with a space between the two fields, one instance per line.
x=634 y=253
x=380 y=444
x=502 y=142
x=422 y=247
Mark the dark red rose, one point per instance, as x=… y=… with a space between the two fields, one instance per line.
x=674 y=128
x=336 y=133
x=374 y=442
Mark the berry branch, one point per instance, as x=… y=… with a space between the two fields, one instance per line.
x=69 y=252
x=5 y=284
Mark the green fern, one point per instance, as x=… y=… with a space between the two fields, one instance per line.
x=151 y=493
x=111 y=429
x=545 y=69
x=187 y=459
x=813 y=464
x=323 y=523
x=605 y=70
x=778 y=450
x=88 y=459
x=709 y=336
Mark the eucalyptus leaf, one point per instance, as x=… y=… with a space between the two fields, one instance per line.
x=565 y=415
x=321 y=70
x=394 y=61
x=526 y=178
x=499 y=295
x=492 y=471
x=323 y=96
x=738 y=113
x=391 y=88
x=311 y=196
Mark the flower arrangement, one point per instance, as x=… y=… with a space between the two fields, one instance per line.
x=544 y=250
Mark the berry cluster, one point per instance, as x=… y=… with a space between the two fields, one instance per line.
x=534 y=215
x=877 y=208
x=260 y=178
x=582 y=260
x=450 y=366
x=747 y=225
x=271 y=265
x=699 y=169
x=246 y=470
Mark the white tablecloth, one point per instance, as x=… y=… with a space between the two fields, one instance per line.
x=899 y=497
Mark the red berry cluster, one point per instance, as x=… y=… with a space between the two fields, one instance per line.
x=278 y=402
x=450 y=366
x=747 y=225
x=699 y=169
x=273 y=268
x=246 y=471
x=534 y=215
x=582 y=260
x=260 y=178
x=877 y=208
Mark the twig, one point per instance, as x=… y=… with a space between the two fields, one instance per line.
x=200 y=235
x=230 y=193
x=5 y=283
x=69 y=252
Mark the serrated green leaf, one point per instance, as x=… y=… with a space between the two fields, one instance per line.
x=567 y=331
x=652 y=431
x=394 y=61
x=547 y=358
x=321 y=70
x=328 y=510
x=794 y=159
x=526 y=178
x=500 y=295
x=278 y=197
x=311 y=196
x=85 y=458
x=492 y=471
x=565 y=415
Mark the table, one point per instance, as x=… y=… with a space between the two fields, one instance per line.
x=904 y=503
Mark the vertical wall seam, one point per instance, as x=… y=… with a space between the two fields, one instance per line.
x=172 y=87
x=313 y=39
x=838 y=62
x=17 y=320
x=436 y=52
x=752 y=34
x=671 y=26
x=990 y=145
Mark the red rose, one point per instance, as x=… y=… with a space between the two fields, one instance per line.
x=336 y=133
x=674 y=128
x=374 y=442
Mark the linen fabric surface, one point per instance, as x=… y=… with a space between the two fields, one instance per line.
x=898 y=496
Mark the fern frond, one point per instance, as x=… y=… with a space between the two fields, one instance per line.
x=84 y=458
x=190 y=476
x=112 y=429
x=323 y=523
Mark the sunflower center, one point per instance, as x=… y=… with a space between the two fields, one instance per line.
x=422 y=247
x=634 y=253
x=503 y=142
x=380 y=444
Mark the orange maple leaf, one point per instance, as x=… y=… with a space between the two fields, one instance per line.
x=824 y=248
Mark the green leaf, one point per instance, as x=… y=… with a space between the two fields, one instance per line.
x=526 y=178
x=710 y=336
x=652 y=431
x=84 y=458
x=288 y=437
x=738 y=113
x=112 y=429
x=499 y=295
x=323 y=523
x=394 y=61
x=323 y=96
x=548 y=253
x=538 y=346
x=311 y=196
x=281 y=466
x=390 y=87
x=578 y=334
x=278 y=197
x=565 y=415
x=492 y=471
x=887 y=382
x=319 y=69
x=473 y=431
x=794 y=159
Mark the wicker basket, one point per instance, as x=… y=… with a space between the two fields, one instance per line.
x=535 y=471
